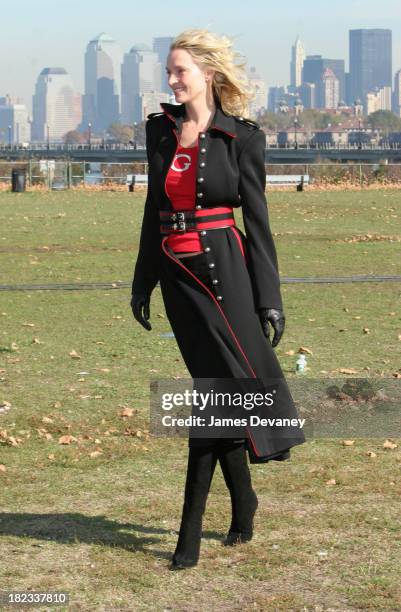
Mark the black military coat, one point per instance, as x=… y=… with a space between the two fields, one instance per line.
x=211 y=300
x=230 y=172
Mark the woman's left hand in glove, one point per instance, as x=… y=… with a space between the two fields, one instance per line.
x=274 y=317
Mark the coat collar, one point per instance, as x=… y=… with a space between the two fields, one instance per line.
x=221 y=121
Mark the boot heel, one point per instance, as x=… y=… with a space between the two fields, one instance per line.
x=187 y=551
x=246 y=534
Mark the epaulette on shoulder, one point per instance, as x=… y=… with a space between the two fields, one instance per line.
x=151 y=115
x=247 y=121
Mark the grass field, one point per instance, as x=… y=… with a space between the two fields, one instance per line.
x=98 y=516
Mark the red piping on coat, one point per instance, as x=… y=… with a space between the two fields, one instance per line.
x=214 y=127
x=165 y=180
x=239 y=241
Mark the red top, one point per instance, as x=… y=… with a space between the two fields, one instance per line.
x=180 y=187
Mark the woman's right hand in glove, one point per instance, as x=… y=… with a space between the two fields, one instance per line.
x=140 y=308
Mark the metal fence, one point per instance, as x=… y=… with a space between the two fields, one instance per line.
x=62 y=174
x=384 y=144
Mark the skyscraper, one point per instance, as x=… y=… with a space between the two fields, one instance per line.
x=259 y=102
x=101 y=102
x=380 y=99
x=56 y=105
x=161 y=46
x=275 y=96
x=314 y=68
x=307 y=93
x=297 y=62
x=370 y=58
x=330 y=89
x=14 y=122
x=397 y=93
x=141 y=74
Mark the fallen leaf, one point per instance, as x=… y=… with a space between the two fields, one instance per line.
x=348 y=371
x=331 y=481
x=127 y=412
x=66 y=439
x=2 y=467
x=389 y=444
x=348 y=442
x=371 y=454
x=12 y=441
x=74 y=355
x=303 y=349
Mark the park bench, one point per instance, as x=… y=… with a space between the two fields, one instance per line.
x=136 y=179
x=271 y=179
x=288 y=179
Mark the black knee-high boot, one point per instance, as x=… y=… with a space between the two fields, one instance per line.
x=201 y=465
x=244 y=501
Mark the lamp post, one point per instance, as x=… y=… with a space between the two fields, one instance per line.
x=89 y=134
x=295 y=131
x=9 y=136
x=47 y=136
x=134 y=134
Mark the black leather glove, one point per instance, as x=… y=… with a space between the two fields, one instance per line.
x=274 y=317
x=140 y=308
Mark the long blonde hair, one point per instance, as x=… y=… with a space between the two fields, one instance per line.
x=230 y=83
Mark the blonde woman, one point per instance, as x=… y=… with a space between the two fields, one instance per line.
x=220 y=287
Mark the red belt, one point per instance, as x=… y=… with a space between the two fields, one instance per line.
x=181 y=221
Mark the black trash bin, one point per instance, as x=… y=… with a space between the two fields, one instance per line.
x=131 y=184
x=18 y=180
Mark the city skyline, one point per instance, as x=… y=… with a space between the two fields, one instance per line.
x=53 y=47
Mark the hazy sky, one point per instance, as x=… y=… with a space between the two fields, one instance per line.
x=41 y=33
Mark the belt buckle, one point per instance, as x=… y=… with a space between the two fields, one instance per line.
x=181 y=225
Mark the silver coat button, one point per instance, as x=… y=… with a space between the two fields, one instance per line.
x=202 y=135
x=203 y=150
x=198 y=206
x=211 y=265
x=203 y=233
x=207 y=249
x=219 y=297
x=200 y=179
x=215 y=281
x=202 y=165
x=200 y=195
